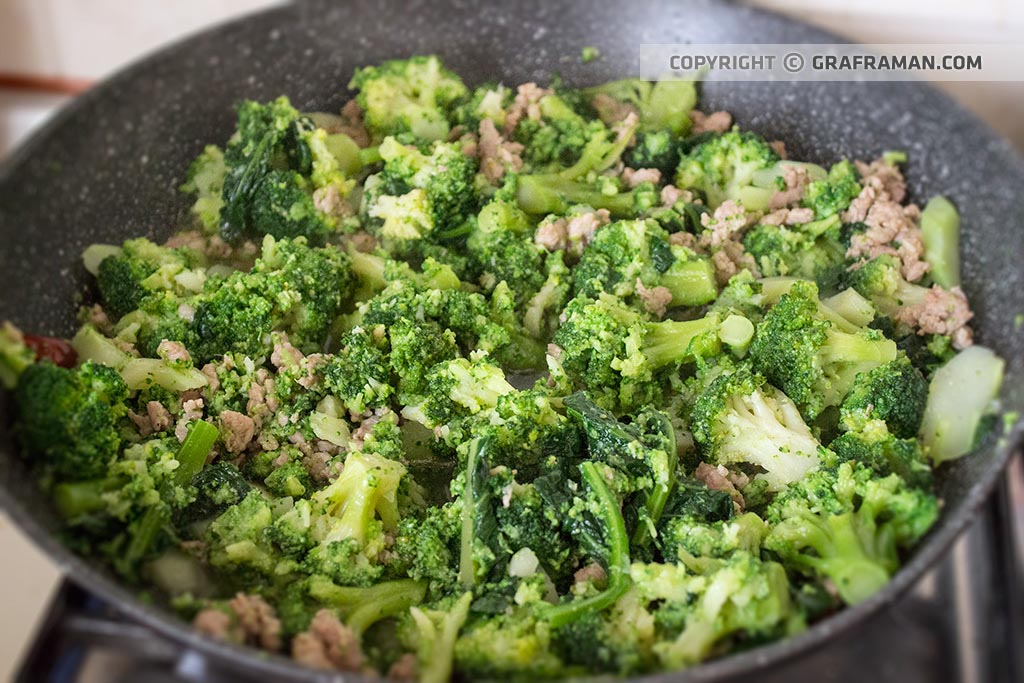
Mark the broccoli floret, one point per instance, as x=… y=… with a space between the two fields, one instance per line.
x=239 y=540
x=657 y=149
x=360 y=374
x=895 y=393
x=812 y=358
x=848 y=526
x=723 y=168
x=422 y=196
x=743 y=594
x=70 y=419
x=205 y=179
x=558 y=138
x=799 y=252
x=361 y=504
x=291 y=479
x=272 y=172
x=881 y=281
x=415 y=348
x=502 y=249
x=556 y=190
x=292 y=288
x=425 y=546
x=142 y=268
x=517 y=645
x=218 y=486
x=697 y=543
x=231 y=318
x=415 y=96
x=437 y=631
x=618 y=355
x=459 y=387
x=662 y=105
x=627 y=252
x=15 y=356
x=874 y=446
x=741 y=419
x=488 y=101
x=833 y=194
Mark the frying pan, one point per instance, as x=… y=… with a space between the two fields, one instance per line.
x=109 y=165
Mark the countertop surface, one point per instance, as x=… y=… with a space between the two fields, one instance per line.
x=69 y=41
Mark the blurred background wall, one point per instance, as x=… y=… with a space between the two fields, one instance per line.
x=50 y=49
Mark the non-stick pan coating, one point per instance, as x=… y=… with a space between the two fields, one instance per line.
x=109 y=165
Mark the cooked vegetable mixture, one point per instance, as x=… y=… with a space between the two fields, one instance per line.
x=511 y=382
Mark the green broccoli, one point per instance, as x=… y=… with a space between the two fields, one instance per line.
x=663 y=105
x=832 y=195
x=812 y=358
x=895 y=393
x=723 y=168
x=618 y=355
x=15 y=356
x=799 y=252
x=741 y=419
x=848 y=526
x=70 y=419
x=626 y=253
x=205 y=179
x=743 y=594
x=414 y=96
x=873 y=445
x=142 y=268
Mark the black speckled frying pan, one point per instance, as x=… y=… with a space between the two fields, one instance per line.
x=108 y=167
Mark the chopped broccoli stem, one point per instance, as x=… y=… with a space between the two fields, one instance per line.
x=940 y=230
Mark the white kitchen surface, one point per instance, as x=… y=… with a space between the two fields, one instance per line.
x=86 y=39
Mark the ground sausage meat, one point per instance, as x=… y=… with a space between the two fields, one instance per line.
x=715 y=122
x=611 y=110
x=717 y=478
x=328 y=644
x=656 y=299
x=592 y=572
x=943 y=311
x=405 y=668
x=258 y=621
x=237 y=430
x=526 y=103
x=796 y=184
x=634 y=176
x=352 y=123
x=497 y=155
x=159 y=417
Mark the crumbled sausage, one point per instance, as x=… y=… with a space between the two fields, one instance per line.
x=239 y=430
x=328 y=200
x=716 y=122
x=656 y=299
x=258 y=621
x=592 y=572
x=352 y=124
x=328 y=644
x=552 y=235
x=718 y=478
x=526 y=103
x=284 y=354
x=173 y=351
x=405 y=668
x=633 y=177
x=892 y=229
x=726 y=224
x=497 y=155
x=730 y=259
x=580 y=229
x=796 y=184
x=214 y=623
x=943 y=311
x=159 y=417
x=611 y=110
x=780 y=148
x=670 y=194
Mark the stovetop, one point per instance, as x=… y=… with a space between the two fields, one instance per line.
x=963 y=622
